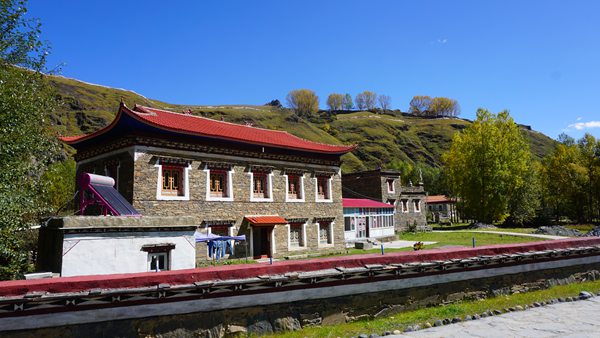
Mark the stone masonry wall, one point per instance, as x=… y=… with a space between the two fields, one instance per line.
x=145 y=201
x=373 y=184
x=262 y=320
x=412 y=217
x=362 y=185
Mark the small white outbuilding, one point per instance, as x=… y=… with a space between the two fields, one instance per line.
x=97 y=245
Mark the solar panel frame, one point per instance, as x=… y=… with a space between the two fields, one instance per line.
x=115 y=200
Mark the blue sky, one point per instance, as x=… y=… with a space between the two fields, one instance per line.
x=539 y=59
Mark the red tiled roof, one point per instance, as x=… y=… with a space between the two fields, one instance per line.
x=201 y=126
x=363 y=203
x=439 y=199
x=266 y=220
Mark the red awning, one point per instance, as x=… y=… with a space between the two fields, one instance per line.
x=266 y=220
x=364 y=203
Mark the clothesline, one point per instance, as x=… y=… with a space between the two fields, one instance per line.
x=200 y=237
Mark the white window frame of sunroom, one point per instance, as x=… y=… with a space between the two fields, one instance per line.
x=319 y=245
x=287 y=199
x=304 y=242
x=269 y=188
x=330 y=192
x=229 y=197
x=186 y=185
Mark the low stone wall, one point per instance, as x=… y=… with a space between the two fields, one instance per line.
x=264 y=298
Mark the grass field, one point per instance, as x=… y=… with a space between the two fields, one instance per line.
x=464 y=238
x=402 y=320
x=454 y=238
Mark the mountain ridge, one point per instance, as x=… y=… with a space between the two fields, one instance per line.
x=383 y=139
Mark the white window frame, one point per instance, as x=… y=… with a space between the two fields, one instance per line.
x=301 y=182
x=417 y=205
x=393 y=185
x=303 y=245
x=330 y=230
x=229 y=197
x=269 y=188
x=186 y=185
x=330 y=192
x=402 y=205
x=167 y=256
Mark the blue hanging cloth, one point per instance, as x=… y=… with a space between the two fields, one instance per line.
x=210 y=248
x=230 y=245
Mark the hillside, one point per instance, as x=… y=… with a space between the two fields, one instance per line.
x=382 y=138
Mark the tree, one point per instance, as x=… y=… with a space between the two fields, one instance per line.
x=304 y=102
x=443 y=106
x=563 y=176
x=419 y=105
x=274 y=103
x=26 y=144
x=385 y=102
x=347 y=102
x=571 y=179
x=366 y=100
x=335 y=101
x=487 y=164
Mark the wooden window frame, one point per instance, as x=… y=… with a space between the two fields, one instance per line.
x=175 y=186
x=223 y=185
x=327 y=182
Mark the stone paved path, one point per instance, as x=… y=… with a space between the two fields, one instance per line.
x=507 y=233
x=574 y=319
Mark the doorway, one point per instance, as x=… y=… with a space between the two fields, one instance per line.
x=261 y=241
x=361 y=227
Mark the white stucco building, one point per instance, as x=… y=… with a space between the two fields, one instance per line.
x=96 y=245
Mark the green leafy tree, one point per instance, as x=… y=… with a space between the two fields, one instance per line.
x=304 y=102
x=335 y=101
x=347 y=103
x=26 y=144
x=487 y=164
x=571 y=179
x=524 y=204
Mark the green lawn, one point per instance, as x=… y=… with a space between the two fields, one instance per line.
x=519 y=230
x=581 y=227
x=402 y=320
x=464 y=238
x=454 y=238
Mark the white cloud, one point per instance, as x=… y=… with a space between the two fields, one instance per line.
x=441 y=41
x=578 y=119
x=584 y=125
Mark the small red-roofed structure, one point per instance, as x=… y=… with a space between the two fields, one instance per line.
x=442 y=208
x=367 y=219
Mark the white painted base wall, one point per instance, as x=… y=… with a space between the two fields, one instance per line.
x=121 y=252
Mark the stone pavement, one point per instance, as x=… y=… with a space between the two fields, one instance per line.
x=573 y=319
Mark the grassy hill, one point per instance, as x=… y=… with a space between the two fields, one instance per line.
x=382 y=138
